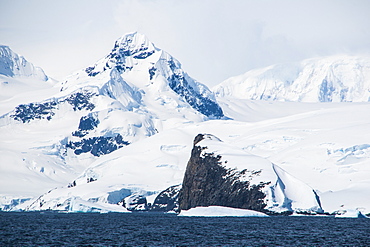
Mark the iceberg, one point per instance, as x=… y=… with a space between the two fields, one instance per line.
x=218 y=211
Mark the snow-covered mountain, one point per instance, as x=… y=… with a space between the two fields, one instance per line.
x=136 y=72
x=328 y=79
x=119 y=134
x=134 y=92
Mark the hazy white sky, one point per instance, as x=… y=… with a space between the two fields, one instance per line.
x=213 y=39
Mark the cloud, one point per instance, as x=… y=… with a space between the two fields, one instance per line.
x=218 y=39
x=213 y=39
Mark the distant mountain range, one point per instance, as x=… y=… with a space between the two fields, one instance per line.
x=13 y=65
x=329 y=79
x=119 y=136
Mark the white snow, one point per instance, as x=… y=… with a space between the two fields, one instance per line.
x=304 y=143
x=289 y=192
x=350 y=213
x=218 y=211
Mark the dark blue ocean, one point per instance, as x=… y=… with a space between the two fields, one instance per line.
x=118 y=229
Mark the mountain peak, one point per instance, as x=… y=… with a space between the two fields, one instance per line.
x=129 y=47
x=14 y=65
x=133 y=38
x=134 y=44
x=135 y=60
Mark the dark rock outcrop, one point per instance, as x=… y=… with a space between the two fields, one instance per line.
x=97 y=146
x=208 y=183
x=81 y=100
x=135 y=202
x=46 y=110
x=204 y=105
x=167 y=200
x=27 y=112
x=87 y=123
x=179 y=83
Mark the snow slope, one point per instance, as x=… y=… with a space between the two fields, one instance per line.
x=324 y=146
x=328 y=79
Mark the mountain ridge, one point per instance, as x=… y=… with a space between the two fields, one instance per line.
x=341 y=78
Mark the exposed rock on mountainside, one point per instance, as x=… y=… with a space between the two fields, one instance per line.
x=46 y=110
x=208 y=183
x=167 y=200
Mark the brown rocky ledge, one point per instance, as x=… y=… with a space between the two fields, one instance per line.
x=208 y=183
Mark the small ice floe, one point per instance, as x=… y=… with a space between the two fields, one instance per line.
x=350 y=213
x=218 y=211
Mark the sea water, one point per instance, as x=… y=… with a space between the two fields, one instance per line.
x=146 y=229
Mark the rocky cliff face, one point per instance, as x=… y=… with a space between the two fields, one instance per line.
x=208 y=183
x=165 y=201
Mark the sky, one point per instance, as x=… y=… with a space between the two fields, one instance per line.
x=213 y=39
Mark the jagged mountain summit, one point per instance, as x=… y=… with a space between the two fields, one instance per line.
x=136 y=67
x=328 y=79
